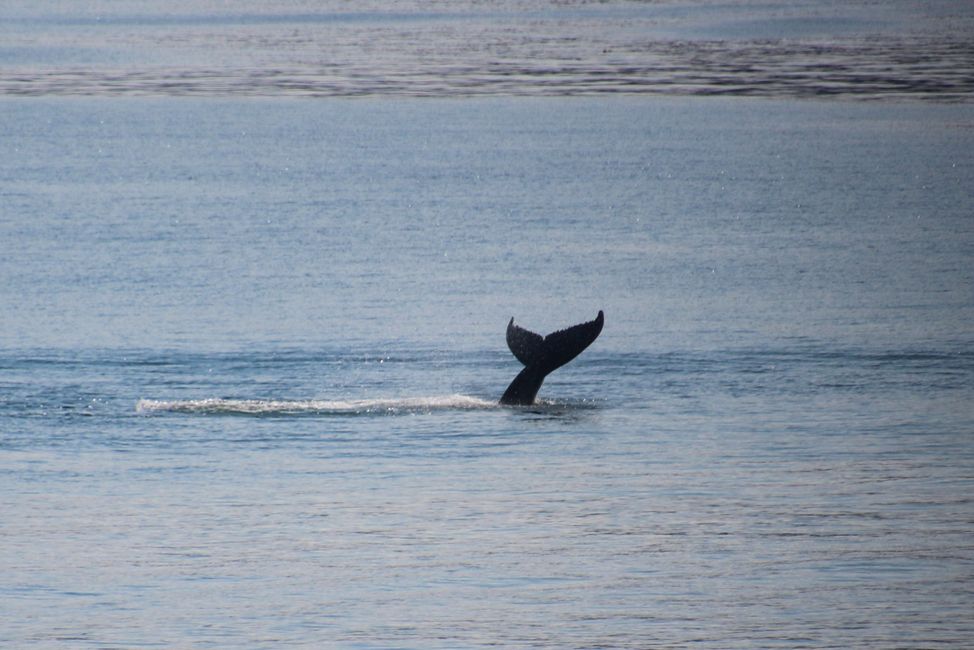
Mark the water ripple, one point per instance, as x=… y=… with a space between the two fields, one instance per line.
x=619 y=49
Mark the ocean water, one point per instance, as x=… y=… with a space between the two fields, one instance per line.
x=917 y=49
x=251 y=345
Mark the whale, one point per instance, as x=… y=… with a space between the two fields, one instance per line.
x=542 y=355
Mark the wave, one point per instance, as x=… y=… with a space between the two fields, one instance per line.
x=315 y=406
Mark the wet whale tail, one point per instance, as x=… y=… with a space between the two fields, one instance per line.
x=541 y=355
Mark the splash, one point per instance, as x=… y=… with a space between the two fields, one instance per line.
x=315 y=406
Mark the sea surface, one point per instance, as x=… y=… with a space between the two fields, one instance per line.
x=866 y=49
x=252 y=341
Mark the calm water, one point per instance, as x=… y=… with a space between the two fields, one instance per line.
x=250 y=350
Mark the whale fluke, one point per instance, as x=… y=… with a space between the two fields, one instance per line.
x=541 y=355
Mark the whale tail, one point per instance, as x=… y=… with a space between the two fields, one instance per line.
x=541 y=355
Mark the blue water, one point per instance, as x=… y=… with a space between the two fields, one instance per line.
x=251 y=351
x=251 y=348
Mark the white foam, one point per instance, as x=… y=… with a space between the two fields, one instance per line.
x=270 y=407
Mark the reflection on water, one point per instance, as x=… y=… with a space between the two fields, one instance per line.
x=918 y=50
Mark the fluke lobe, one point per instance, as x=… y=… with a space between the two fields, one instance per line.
x=542 y=355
